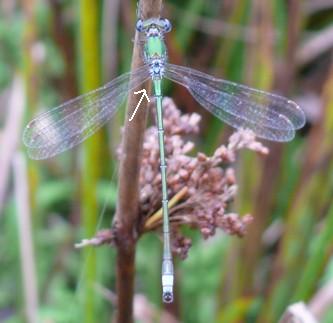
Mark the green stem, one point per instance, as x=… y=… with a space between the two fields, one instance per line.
x=318 y=258
x=90 y=78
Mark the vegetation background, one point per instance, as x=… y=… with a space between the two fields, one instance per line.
x=53 y=50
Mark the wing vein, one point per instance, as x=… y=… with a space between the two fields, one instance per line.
x=69 y=124
x=270 y=116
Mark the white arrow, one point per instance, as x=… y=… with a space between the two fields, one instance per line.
x=144 y=94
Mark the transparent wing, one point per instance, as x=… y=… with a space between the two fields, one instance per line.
x=269 y=116
x=67 y=125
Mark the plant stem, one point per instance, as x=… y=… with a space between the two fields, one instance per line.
x=10 y=135
x=28 y=261
x=126 y=217
x=90 y=78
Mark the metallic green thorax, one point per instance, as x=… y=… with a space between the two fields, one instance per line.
x=155 y=47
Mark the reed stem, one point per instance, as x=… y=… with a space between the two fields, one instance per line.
x=126 y=218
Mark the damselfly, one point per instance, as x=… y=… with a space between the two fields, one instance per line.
x=269 y=116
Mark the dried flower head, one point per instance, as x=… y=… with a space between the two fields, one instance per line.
x=210 y=181
x=200 y=188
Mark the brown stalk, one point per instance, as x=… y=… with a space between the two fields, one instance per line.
x=126 y=217
x=67 y=47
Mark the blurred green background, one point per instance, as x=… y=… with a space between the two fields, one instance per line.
x=53 y=50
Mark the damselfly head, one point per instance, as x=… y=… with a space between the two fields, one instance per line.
x=161 y=24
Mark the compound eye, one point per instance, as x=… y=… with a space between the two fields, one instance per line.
x=166 y=25
x=139 y=26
